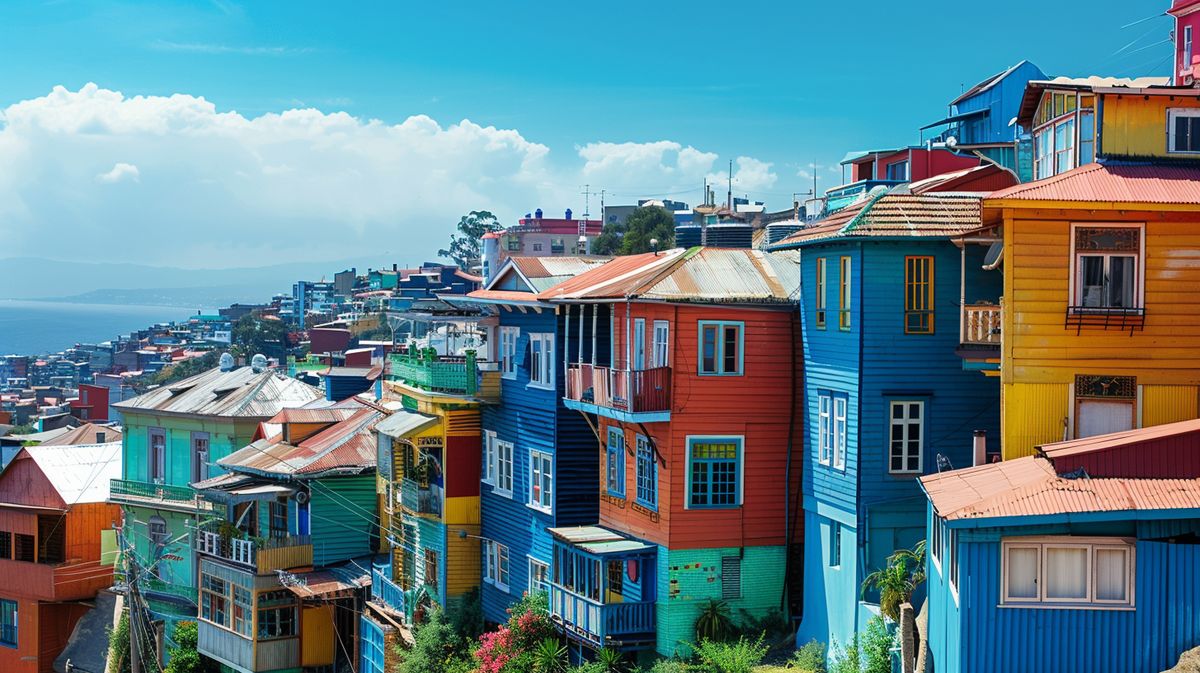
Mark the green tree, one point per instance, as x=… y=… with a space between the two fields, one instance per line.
x=182 y=370
x=253 y=335
x=437 y=648
x=633 y=236
x=466 y=245
x=905 y=571
x=184 y=656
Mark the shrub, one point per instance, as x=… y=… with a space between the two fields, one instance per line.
x=845 y=659
x=466 y=616
x=184 y=657
x=867 y=652
x=610 y=660
x=437 y=648
x=671 y=666
x=714 y=622
x=511 y=647
x=772 y=624
x=550 y=657
x=737 y=657
x=810 y=658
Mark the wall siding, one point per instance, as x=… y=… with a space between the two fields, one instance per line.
x=342 y=511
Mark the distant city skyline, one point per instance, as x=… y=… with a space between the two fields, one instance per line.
x=223 y=134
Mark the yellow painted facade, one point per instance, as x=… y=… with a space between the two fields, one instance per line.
x=1041 y=355
x=317 y=643
x=1136 y=125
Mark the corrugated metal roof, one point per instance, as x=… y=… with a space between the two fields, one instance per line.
x=983 y=178
x=1118 y=439
x=238 y=393
x=313 y=415
x=85 y=434
x=954 y=490
x=1112 y=183
x=503 y=295
x=713 y=275
x=355 y=372
x=597 y=540
x=897 y=213
x=986 y=84
x=547 y=267
x=348 y=445
x=404 y=423
x=79 y=472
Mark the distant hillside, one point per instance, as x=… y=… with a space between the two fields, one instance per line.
x=37 y=278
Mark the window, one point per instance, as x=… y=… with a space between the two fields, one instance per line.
x=537 y=247
x=1107 y=267
x=199 y=456
x=1067 y=570
x=24 y=548
x=935 y=540
x=1187 y=48
x=907 y=437
x=835 y=544
x=508 y=351
x=495 y=568
x=430 y=573
x=541 y=486
x=844 y=295
x=731 y=578
x=8 y=623
x=1104 y=404
x=214 y=600
x=662 y=340
x=825 y=429
x=647 y=474
x=1064 y=146
x=489 y=457
x=541 y=360
x=504 y=468
x=820 y=317
x=557 y=246
x=713 y=470
x=51 y=538
x=1183 y=130
x=898 y=171
x=278 y=526
x=156 y=530
x=276 y=615
x=952 y=557
x=539 y=576
x=639 y=344
x=514 y=244
x=721 y=348
x=158 y=455
x=242 y=610
x=614 y=462
x=918 y=295
x=6 y=548
x=1087 y=137
x=1043 y=147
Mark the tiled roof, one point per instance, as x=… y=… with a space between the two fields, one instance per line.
x=1118 y=439
x=1113 y=183
x=238 y=393
x=897 y=213
x=714 y=275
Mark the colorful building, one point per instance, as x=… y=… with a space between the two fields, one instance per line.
x=683 y=364
x=887 y=396
x=174 y=436
x=284 y=560
x=1081 y=557
x=53 y=511
x=538 y=236
x=1186 y=14
x=1099 y=329
x=539 y=463
x=890 y=167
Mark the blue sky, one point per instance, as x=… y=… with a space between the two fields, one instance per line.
x=779 y=84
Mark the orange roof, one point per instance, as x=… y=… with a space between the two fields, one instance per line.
x=956 y=490
x=610 y=279
x=503 y=295
x=1112 y=183
x=897 y=213
x=1118 y=439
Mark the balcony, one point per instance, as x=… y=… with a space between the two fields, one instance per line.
x=264 y=555
x=243 y=653
x=445 y=374
x=639 y=396
x=981 y=324
x=419 y=499
x=386 y=593
x=618 y=625
x=157 y=495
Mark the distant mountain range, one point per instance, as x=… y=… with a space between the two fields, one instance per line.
x=122 y=283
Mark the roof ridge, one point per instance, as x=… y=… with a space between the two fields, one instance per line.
x=862 y=212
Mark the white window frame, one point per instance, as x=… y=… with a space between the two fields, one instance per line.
x=541 y=360
x=937 y=541
x=541 y=464
x=662 y=344
x=497 y=563
x=504 y=459
x=952 y=562
x=489 y=457
x=1092 y=545
x=841 y=404
x=1172 y=114
x=905 y=422
x=534 y=566
x=509 y=336
x=825 y=429
x=835 y=543
x=1139 y=289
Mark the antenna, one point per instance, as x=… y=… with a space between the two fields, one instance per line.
x=729 y=193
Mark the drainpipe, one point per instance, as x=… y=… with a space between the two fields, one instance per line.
x=979 y=444
x=962 y=295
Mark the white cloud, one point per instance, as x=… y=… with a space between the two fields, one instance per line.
x=749 y=175
x=222 y=189
x=121 y=172
x=216 y=48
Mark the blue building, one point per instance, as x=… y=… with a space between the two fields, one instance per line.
x=1082 y=557
x=886 y=394
x=540 y=468
x=981 y=119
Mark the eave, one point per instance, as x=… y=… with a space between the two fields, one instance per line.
x=1027 y=204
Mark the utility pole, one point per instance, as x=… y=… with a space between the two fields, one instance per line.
x=135 y=643
x=729 y=192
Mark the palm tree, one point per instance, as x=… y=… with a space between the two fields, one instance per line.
x=905 y=571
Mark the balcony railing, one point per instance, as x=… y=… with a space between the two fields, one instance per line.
x=637 y=391
x=145 y=492
x=262 y=554
x=420 y=500
x=386 y=592
x=981 y=324
x=426 y=369
x=599 y=623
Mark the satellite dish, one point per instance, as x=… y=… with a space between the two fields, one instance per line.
x=226 y=362
x=258 y=363
x=951 y=142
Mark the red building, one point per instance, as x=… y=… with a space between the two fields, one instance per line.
x=907 y=164
x=52 y=511
x=686 y=365
x=92 y=403
x=1187 y=27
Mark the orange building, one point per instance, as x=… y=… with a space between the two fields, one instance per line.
x=52 y=511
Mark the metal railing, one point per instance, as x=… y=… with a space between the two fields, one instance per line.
x=440 y=373
x=386 y=592
x=981 y=324
x=130 y=489
x=634 y=391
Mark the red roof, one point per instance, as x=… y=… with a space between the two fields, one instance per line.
x=984 y=178
x=347 y=446
x=1183 y=7
x=1105 y=183
x=1119 y=439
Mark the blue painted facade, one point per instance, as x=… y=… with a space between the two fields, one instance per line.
x=969 y=629
x=858 y=513
x=533 y=419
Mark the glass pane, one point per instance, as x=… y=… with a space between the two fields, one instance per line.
x=1181 y=133
x=1066 y=573
x=1091 y=281
x=730 y=350
x=914 y=411
x=709 y=350
x=1111 y=574
x=1121 y=282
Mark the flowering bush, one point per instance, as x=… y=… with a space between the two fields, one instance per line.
x=510 y=648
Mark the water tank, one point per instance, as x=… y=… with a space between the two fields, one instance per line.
x=687 y=235
x=568 y=213
x=537 y=214
x=729 y=235
x=777 y=231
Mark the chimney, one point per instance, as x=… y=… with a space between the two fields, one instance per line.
x=99 y=437
x=980 y=447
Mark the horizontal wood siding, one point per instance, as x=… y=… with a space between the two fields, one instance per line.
x=225 y=437
x=343 y=515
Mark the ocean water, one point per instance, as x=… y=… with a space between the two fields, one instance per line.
x=37 y=327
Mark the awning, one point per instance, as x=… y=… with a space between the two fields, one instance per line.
x=404 y=423
x=957 y=118
x=597 y=540
x=326 y=584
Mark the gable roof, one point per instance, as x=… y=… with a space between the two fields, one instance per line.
x=238 y=393
x=1116 y=440
x=1152 y=184
x=346 y=447
x=895 y=213
x=80 y=473
x=535 y=274
x=700 y=274
x=85 y=434
x=987 y=83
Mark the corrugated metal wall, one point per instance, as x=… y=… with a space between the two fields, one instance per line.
x=1033 y=415
x=1168 y=404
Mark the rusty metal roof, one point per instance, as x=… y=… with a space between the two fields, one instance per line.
x=1112 y=183
x=345 y=447
x=981 y=179
x=711 y=275
x=896 y=213
x=1118 y=439
x=314 y=415
x=238 y=393
x=85 y=434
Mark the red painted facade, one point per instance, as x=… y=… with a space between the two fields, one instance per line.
x=1174 y=457
x=1187 y=31
x=757 y=406
x=922 y=163
x=92 y=404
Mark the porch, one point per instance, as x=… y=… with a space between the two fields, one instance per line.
x=264 y=555
x=622 y=394
x=158 y=495
x=603 y=588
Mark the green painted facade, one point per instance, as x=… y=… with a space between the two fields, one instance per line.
x=689 y=578
x=344 y=515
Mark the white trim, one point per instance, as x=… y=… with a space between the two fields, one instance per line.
x=542 y=368
x=535 y=456
x=531 y=562
x=1172 y=114
x=498 y=488
x=491 y=564
x=509 y=337
x=841 y=438
x=1091 y=545
x=824 y=428
x=661 y=351
x=489 y=457
x=905 y=421
x=1139 y=289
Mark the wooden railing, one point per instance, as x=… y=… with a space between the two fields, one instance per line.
x=264 y=554
x=386 y=592
x=596 y=622
x=981 y=324
x=634 y=391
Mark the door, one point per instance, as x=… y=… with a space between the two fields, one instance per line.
x=662 y=332
x=1100 y=417
x=639 y=344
